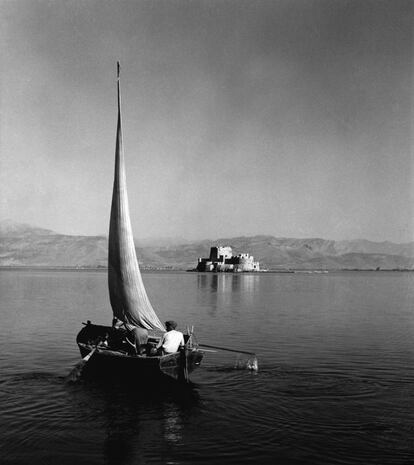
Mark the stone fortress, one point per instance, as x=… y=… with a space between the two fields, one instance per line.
x=222 y=259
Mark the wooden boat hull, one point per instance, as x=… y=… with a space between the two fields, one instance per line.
x=116 y=359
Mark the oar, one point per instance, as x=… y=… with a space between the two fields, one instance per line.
x=227 y=349
x=252 y=364
x=77 y=369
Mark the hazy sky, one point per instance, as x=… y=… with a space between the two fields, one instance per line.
x=290 y=118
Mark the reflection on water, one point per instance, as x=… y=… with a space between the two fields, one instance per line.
x=221 y=289
x=136 y=423
x=172 y=424
x=227 y=282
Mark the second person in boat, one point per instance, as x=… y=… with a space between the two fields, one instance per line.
x=171 y=341
x=137 y=338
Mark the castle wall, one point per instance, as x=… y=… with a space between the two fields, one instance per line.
x=222 y=260
x=218 y=254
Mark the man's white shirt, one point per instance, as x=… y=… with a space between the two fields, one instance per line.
x=171 y=341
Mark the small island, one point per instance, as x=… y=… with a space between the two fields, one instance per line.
x=222 y=260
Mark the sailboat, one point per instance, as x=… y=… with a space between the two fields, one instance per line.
x=106 y=347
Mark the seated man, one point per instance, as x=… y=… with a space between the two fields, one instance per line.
x=137 y=337
x=171 y=340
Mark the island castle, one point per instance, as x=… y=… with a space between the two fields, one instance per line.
x=222 y=259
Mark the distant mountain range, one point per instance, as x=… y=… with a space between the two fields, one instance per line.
x=25 y=245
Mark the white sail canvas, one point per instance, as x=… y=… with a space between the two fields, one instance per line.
x=127 y=293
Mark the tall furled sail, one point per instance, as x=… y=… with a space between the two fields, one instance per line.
x=127 y=293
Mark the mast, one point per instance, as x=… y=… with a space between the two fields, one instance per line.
x=127 y=293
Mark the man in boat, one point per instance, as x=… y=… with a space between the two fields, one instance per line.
x=172 y=340
x=137 y=338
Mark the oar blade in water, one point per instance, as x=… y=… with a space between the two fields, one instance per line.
x=76 y=371
x=251 y=364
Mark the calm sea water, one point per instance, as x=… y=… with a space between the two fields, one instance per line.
x=335 y=383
